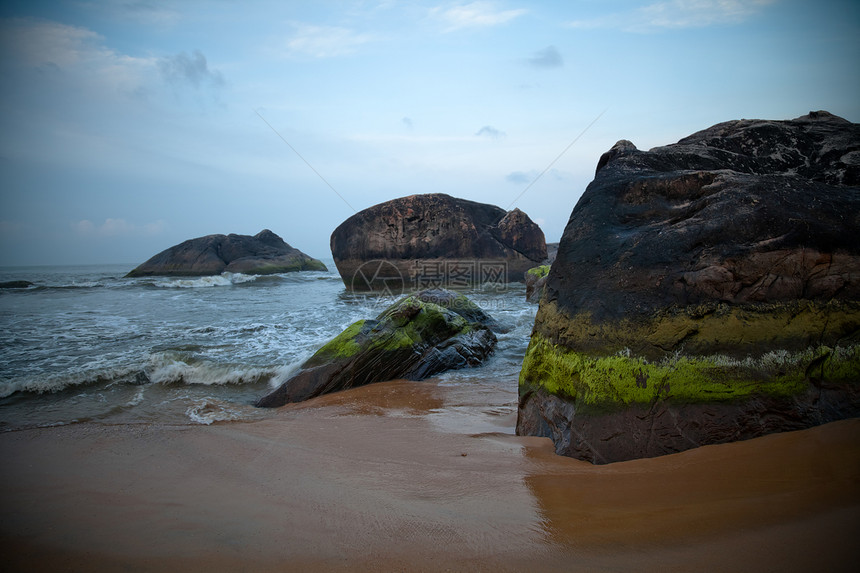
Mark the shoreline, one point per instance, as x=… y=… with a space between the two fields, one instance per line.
x=418 y=477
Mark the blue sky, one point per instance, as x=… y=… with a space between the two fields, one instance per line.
x=130 y=126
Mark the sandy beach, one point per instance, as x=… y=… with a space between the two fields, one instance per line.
x=406 y=476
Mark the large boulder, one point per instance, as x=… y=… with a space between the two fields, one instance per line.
x=703 y=292
x=264 y=253
x=435 y=240
x=417 y=337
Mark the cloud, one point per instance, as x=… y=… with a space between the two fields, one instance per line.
x=549 y=57
x=407 y=122
x=679 y=14
x=478 y=14
x=325 y=41
x=39 y=43
x=80 y=53
x=520 y=178
x=117 y=228
x=490 y=131
x=189 y=69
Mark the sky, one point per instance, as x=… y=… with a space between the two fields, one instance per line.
x=127 y=127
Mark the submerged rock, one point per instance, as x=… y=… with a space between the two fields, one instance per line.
x=16 y=284
x=435 y=240
x=703 y=292
x=263 y=254
x=417 y=337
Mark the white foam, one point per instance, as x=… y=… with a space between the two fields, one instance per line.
x=48 y=384
x=137 y=399
x=285 y=372
x=167 y=369
x=224 y=279
x=207 y=411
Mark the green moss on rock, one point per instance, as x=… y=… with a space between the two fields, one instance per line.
x=418 y=316
x=314 y=265
x=706 y=329
x=403 y=325
x=607 y=382
x=538 y=272
x=343 y=345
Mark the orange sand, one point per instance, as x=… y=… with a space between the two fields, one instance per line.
x=417 y=477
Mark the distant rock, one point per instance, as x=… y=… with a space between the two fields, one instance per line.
x=703 y=292
x=435 y=240
x=551 y=252
x=16 y=284
x=417 y=337
x=263 y=254
x=535 y=281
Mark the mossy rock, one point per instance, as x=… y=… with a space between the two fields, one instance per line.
x=704 y=291
x=535 y=282
x=538 y=272
x=602 y=383
x=412 y=339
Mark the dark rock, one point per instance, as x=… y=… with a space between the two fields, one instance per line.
x=264 y=253
x=667 y=427
x=701 y=280
x=414 y=339
x=435 y=240
x=16 y=284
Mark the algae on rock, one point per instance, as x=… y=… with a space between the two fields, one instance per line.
x=414 y=338
x=703 y=292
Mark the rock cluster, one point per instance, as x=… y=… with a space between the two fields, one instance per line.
x=703 y=292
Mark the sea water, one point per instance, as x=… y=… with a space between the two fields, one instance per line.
x=86 y=343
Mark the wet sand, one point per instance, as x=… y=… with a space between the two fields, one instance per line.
x=417 y=477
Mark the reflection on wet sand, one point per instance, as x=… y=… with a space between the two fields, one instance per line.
x=807 y=481
x=385 y=398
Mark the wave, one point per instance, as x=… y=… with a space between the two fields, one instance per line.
x=70 y=282
x=53 y=383
x=224 y=279
x=60 y=287
x=164 y=368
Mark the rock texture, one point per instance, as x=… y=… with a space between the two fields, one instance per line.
x=703 y=292
x=417 y=337
x=436 y=240
x=264 y=253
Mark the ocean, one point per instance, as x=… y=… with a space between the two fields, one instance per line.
x=86 y=344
